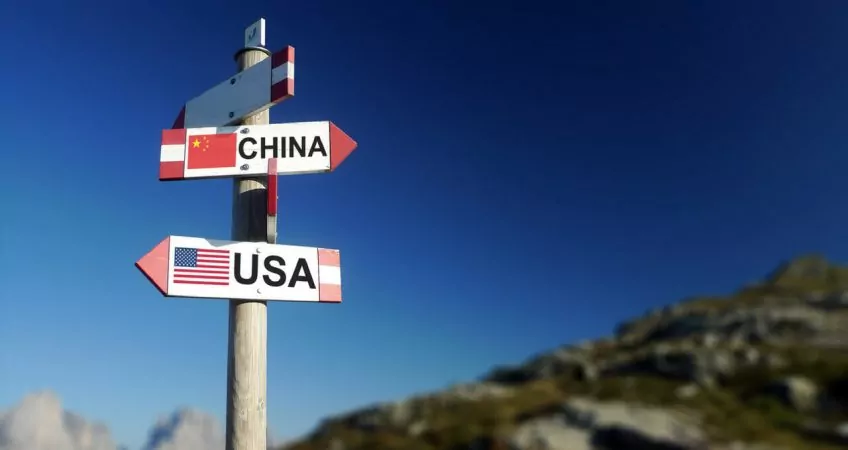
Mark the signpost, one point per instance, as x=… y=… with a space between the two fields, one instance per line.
x=211 y=152
x=225 y=132
x=182 y=266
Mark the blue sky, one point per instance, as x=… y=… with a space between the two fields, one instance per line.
x=527 y=175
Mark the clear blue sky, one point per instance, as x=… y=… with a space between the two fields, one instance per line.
x=526 y=176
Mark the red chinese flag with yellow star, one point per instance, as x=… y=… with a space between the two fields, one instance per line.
x=211 y=151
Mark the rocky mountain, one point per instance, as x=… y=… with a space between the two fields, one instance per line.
x=186 y=429
x=189 y=429
x=763 y=368
x=39 y=422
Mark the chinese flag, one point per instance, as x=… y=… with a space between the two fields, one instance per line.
x=209 y=151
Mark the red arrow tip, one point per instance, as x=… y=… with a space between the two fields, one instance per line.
x=341 y=145
x=154 y=265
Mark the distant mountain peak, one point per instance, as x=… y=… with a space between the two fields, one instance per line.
x=185 y=429
x=812 y=266
x=811 y=271
x=38 y=422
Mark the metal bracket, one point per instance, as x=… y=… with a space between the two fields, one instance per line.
x=271 y=216
x=251 y=49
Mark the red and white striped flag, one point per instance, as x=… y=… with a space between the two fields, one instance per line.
x=201 y=266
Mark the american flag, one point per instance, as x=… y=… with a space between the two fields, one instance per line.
x=201 y=266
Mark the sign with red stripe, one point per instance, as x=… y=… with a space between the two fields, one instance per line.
x=248 y=92
x=247 y=150
x=181 y=266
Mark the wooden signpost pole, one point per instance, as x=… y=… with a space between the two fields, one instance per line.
x=247 y=352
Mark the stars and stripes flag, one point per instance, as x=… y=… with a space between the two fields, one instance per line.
x=201 y=266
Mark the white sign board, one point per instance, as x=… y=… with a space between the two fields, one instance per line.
x=243 y=94
x=182 y=266
x=245 y=150
x=254 y=35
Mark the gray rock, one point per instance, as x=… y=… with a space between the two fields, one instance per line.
x=418 y=428
x=584 y=424
x=838 y=299
x=337 y=444
x=705 y=367
x=842 y=431
x=816 y=298
x=687 y=391
x=710 y=340
x=400 y=414
x=719 y=363
x=588 y=372
x=797 y=392
x=750 y=356
x=831 y=301
x=549 y=433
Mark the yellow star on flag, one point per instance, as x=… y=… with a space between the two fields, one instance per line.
x=196 y=143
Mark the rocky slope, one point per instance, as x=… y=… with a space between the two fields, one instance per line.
x=764 y=368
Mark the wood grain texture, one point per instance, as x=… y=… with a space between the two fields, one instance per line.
x=247 y=353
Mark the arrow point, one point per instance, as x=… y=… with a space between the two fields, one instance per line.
x=154 y=265
x=341 y=145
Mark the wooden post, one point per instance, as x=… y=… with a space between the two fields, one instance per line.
x=247 y=355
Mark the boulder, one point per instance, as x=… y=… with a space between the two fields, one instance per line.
x=797 y=392
x=703 y=366
x=583 y=424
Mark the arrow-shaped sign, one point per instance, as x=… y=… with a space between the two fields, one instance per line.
x=214 y=152
x=246 y=93
x=182 y=266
